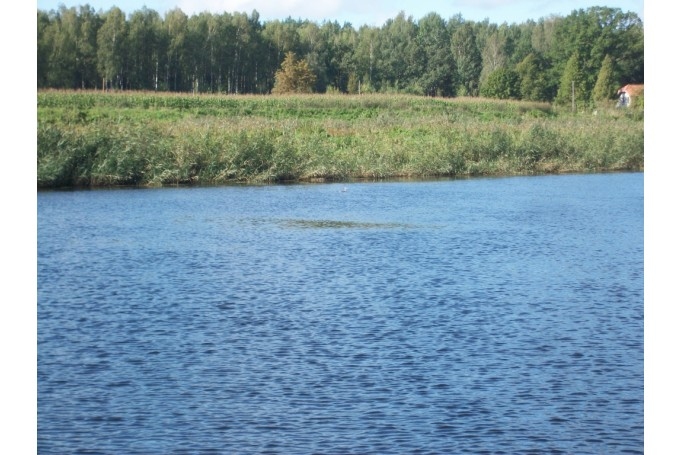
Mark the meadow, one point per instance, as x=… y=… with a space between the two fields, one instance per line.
x=92 y=139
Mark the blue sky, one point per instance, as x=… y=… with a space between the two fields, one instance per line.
x=360 y=12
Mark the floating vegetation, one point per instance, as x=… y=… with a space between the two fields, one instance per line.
x=336 y=224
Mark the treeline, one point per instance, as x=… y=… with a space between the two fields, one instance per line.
x=592 y=51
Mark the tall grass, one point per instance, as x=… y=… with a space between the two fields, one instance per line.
x=94 y=139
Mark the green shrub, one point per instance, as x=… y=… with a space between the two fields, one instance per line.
x=156 y=139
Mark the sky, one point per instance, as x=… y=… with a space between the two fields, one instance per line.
x=364 y=12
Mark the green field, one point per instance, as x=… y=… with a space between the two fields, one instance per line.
x=138 y=138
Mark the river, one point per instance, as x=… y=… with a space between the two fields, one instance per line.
x=490 y=315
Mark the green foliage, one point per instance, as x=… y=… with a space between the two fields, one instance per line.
x=112 y=47
x=534 y=84
x=468 y=59
x=398 y=52
x=495 y=53
x=606 y=85
x=502 y=83
x=595 y=33
x=132 y=138
x=437 y=64
x=572 y=84
x=353 y=84
x=237 y=53
x=640 y=101
x=294 y=76
x=145 y=36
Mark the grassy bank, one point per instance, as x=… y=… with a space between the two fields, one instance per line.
x=98 y=139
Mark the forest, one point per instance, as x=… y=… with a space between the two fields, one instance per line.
x=583 y=57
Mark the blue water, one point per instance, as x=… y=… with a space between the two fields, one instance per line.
x=458 y=316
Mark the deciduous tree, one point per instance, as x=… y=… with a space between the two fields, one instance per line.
x=294 y=76
x=437 y=61
x=112 y=48
x=398 y=52
x=502 y=83
x=534 y=84
x=468 y=59
x=143 y=38
x=175 y=26
x=236 y=53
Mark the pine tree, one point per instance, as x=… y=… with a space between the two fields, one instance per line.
x=571 y=83
x=605 y=87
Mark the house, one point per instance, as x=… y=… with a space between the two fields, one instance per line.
x=627 y=94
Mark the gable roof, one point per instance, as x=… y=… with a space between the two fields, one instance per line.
x=632 y=89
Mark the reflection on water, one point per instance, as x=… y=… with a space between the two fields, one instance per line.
x=475 y=316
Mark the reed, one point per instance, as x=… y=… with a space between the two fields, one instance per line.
x=134 y=138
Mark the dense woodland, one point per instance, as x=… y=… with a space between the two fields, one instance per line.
x=598 y=49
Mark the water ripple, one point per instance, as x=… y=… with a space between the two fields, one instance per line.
x=479 y=316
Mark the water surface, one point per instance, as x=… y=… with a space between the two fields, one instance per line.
x=457 y=316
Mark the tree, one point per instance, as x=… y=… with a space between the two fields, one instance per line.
x=243 y=75
x=398 y=52
x=543 y=35
x=438 y=66
x=294 y=76
x=316 y=54
x=606 y=86
x=365 y=56
x=235 y=53
x=142 y=37
x=619 y=35
x=502 y=83
x=175 y=26
x=533 y=75
x=279 y=38
x=111 y=43
x=595 y=33
x=630 y=50
x=90 y=23
x=572 y=83
x=493 y=55
x=346 y=43
x=200 y=50
x=45 y=32
x=63 y=56
x=468 y=59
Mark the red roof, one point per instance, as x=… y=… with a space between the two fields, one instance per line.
x=632 y=89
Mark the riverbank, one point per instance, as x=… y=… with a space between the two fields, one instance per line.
x=132 y=138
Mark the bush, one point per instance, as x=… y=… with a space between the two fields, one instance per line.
x=502 y=83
